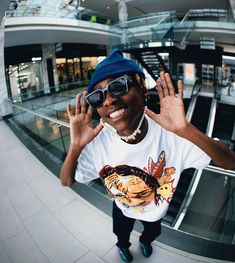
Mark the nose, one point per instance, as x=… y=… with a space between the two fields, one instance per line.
x=109 y=99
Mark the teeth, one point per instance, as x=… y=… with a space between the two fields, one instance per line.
x=116 y=113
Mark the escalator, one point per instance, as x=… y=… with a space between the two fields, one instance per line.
x=200 y=119
x=224 y=127
x=178 y=199
x=201 y=113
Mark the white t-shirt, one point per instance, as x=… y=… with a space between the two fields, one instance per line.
x=141 y=177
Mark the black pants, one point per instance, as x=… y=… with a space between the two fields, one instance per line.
x=122 y=227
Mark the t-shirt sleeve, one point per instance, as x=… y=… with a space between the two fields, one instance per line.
x=86 y=171
x=194 y=156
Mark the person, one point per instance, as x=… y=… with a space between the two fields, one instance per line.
x=138 y=154
x=230 y=85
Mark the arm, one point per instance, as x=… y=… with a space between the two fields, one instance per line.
x=220 y=154
x=172 y=117
x=81 y=133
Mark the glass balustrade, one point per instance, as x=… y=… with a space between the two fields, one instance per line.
x=208 y=213
x=54 y=8
x=211 y=213
x=44 y=130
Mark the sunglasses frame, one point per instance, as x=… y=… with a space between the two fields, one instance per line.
x=106 y=88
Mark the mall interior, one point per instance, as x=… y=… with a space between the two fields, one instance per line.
x=48 y=53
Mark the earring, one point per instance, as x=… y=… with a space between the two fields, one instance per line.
x=145 y=100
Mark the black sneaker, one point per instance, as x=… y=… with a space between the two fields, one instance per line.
x=125 y=254
x=146 y=249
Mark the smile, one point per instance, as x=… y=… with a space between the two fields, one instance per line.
x=116 y=113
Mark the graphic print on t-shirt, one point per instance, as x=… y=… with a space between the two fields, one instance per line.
x=133 y=186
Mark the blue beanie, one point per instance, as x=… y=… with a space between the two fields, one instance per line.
x=113 y=66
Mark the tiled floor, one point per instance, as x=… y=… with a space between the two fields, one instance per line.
x=41 y=221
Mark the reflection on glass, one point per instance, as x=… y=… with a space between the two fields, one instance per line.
x=211 y=212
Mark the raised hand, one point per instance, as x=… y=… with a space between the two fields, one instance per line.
x=172 y=114
x=81 y=129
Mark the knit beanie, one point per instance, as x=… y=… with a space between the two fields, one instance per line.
x=113 y=66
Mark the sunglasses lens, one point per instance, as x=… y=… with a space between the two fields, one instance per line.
x=118 y=88
x=95 y=99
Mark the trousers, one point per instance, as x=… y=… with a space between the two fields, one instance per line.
x=122 y=227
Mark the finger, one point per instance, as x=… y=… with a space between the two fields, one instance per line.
x=69 y=110
x=90 y=111
x=78 y=106
x=153 y=115
x=98 y=128
x=83 y=108
x=164 y=84
x=180 y=89
x=159 y=89
x=170 y=84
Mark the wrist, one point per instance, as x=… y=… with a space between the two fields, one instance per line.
x=75 y=149
x=184 y=130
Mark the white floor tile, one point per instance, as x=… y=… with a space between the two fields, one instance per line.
x=50 y=191
x=2 y=189
x=3 y=255
x=24 y=200
x=22 y=249
x=159 y=255
x=53 y=240
x=90 y=257
x=10 y=173
x=94 y=230
x=10 y=224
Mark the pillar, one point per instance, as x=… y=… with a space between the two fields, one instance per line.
x=50 y=80
x=5 y=105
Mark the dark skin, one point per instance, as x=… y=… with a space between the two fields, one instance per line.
x=128 y=110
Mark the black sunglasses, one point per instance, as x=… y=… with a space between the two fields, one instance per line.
x=117 y=88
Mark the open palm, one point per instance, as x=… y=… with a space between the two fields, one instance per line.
x=172 y=114
x=81 y=129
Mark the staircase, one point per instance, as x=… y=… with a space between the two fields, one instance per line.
x=152 y=62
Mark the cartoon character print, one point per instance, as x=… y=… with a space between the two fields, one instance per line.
x=163 y=176
x=129 y=185
x=137 y=188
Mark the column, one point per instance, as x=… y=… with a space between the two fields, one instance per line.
x=50 y=80
x=123 y=17
x=5 y=106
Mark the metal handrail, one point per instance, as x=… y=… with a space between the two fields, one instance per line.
x=219 y=170
x=211 y=168
x=52 y=120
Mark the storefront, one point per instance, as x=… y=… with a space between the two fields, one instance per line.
x=27 y=74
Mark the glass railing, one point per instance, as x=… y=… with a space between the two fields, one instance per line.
x=165 y=29
x=152 y=30
x=208 y=212
x=142 y=30
x=66 y=90
x=45 y=128
x=211 y=213
x=56 y=9
x=207 y=15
